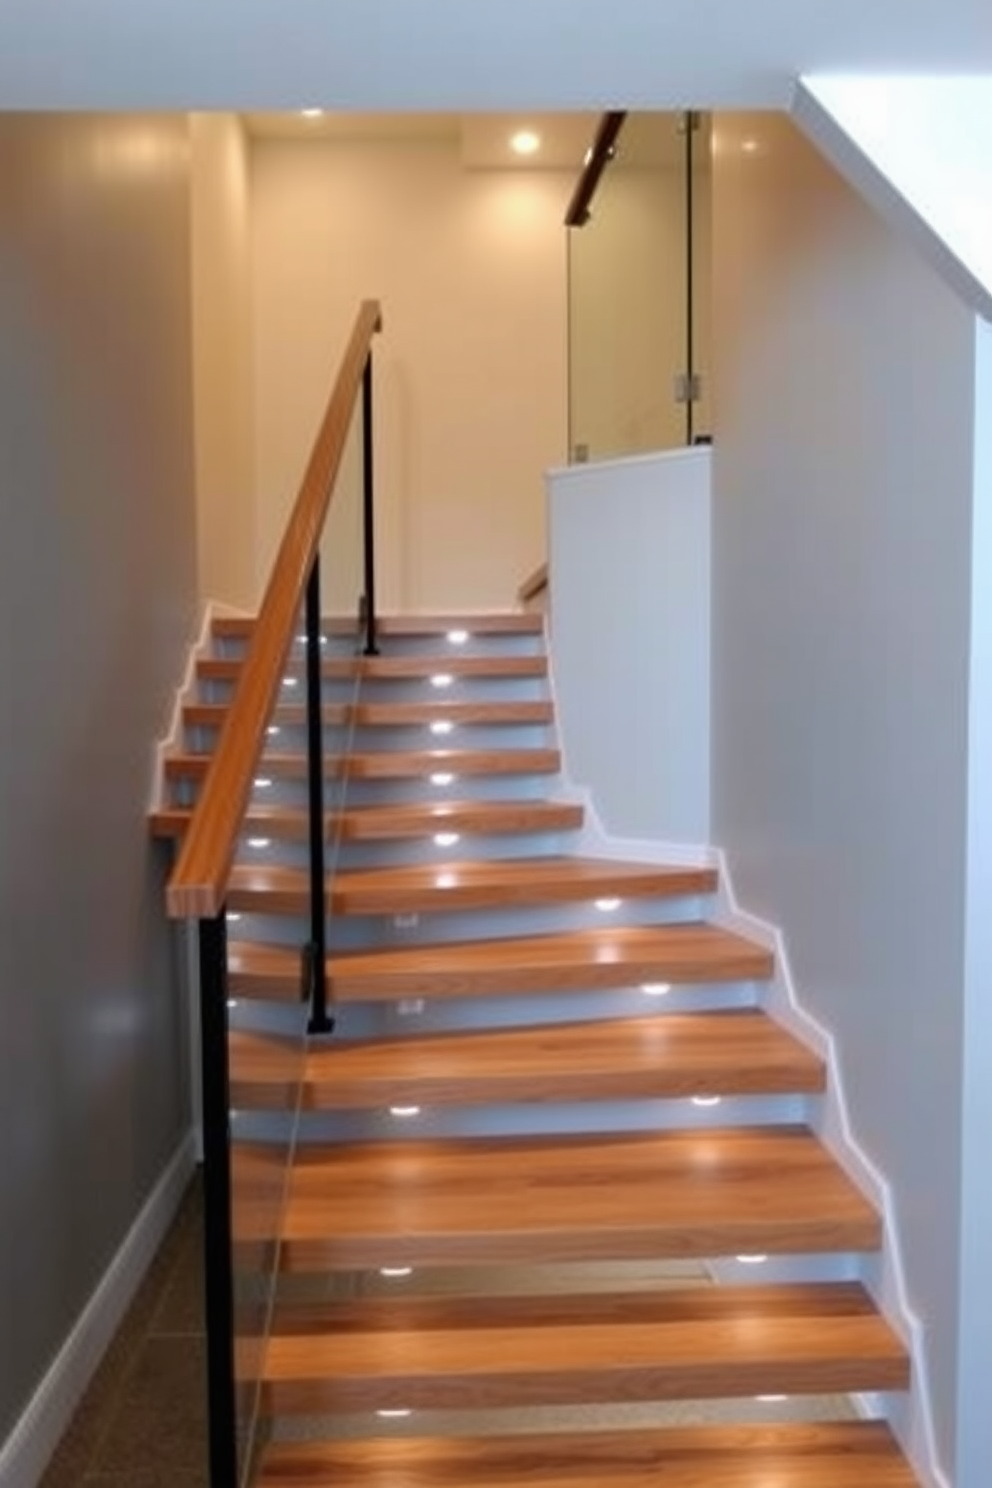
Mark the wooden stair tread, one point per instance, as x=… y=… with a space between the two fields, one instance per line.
x=387 y=764
x=388 y=715
x=495 y=622
x=687 y=952
x=391 y=668
x=732 y=1052
x=673 y=1344
x=626 y=1196
x=402 y=820
x=820 y=1454
x=485 y=883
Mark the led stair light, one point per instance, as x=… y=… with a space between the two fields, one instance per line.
x=446 y=839
x=706 y=1100
x=442 y=726
x=656 y=989
x=442 y=679
x=395 y=1414
x=290 y=682
x=770 y=1399
x=442 y=777
x=260 y=842
x=272 y=730
x=391 y=1272
x=403 y=1113
x=458 y=637
x=751 y=1260
x=233 y=916
x=608 y=906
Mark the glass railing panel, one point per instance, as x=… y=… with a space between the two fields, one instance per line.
x=269 y=1026
x=638 y=293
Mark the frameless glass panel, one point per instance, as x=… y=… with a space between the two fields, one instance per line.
x=638 y=282
x=268 y=1023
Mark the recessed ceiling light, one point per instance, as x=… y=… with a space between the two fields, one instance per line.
x=312 y=113
x=525 y=142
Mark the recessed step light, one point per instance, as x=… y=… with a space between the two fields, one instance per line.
x=262 y=782
x=751 y=1260
x=458 y=637
x=290 y=682
x=446 y=839
x=442 y=679
x=656 y=989
x=392 y=1272
x=260 y=842
x=442 y=777
x=394 y=1414
x=272 y=730
x=770 y=1399
x=608 y=905
x=404 y=1113
x=442 y=726
x=706 y=1100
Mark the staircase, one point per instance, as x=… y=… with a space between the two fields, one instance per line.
x=554 y=1213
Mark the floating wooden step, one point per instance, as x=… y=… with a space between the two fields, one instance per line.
x=442 y=886
x=394 y=764
x=733 y=1052
x=390 y=715
x=814 y=1454
x=403 y=820
x=391 y=668
x=619 y=1196
x=687 y=952
x=510 y=622
x=489 y=1353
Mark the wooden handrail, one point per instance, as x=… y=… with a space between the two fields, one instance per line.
x=533 y=584
x=198 y=886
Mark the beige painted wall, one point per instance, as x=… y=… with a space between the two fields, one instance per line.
x=222 y=359
x=470 y=372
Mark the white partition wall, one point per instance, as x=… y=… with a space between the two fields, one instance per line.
x=630 y=604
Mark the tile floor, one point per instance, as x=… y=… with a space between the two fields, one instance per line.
x=142 y=1422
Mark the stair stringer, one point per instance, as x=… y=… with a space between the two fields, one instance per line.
x=910 y=1415
x=186 y=692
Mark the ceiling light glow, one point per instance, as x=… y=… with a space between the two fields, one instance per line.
x=525 y=142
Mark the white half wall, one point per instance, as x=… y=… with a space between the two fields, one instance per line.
x=630 y=608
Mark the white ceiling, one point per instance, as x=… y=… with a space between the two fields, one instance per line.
x=458 y=55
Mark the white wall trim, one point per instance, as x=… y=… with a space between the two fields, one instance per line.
x=27 y=1451
x=887 y=1280
x=213 y=609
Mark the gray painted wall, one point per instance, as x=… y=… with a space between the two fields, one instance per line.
x=842 y=527
x=97 y=600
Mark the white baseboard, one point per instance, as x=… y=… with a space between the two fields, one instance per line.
x=29 y=1448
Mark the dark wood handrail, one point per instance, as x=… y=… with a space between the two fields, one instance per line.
x=198 y=886
x=534 y=584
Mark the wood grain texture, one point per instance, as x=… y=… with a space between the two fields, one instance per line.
x=735 y=1052
x=821 y=1454
x=442 y=886
x=198 y=883
x=668 y=1345
x=627 y=1196
x=687 y=952
x=399 y=821
x=395 y=764
x=390 y=715
x=493 y=622
x=390 y=668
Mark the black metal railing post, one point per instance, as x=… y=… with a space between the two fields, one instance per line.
x=315 y=954
x=217 y=1230
x=368 y=504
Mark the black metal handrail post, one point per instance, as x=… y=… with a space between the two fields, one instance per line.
x=219 y=1267
x=316 y=950
x=368 y=506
